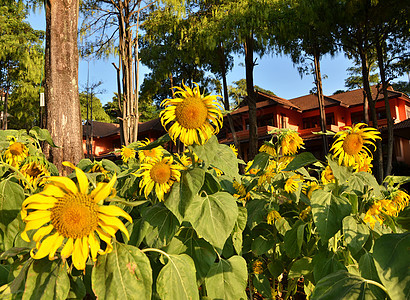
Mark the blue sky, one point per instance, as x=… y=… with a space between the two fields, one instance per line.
x=275 y=73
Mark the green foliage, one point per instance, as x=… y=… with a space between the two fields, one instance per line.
x=216 y=233
x=21 y=65
x=98 y=113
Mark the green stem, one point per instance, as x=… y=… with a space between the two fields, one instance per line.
x=23 y=178
x=155 y=250
x=378 y=285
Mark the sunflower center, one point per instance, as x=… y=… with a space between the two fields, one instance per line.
x=353 y=143
x=127 y=152
x=16 y=148
x=160 y=173
x=150 y=153
x=74 y=216
x=34 y=171
x=191 y=113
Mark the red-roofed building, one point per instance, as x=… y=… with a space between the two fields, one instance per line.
x=302 y=115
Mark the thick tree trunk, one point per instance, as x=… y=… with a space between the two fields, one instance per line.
x=61 y=72
x=378 y=158
x=321 y=101
x=222 y=61
x=380 y=58
x=251 y=99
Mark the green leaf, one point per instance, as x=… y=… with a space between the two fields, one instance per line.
x=159 y=225
x=262 y=285
x=301 y=160
x=282 y=226
x=227 y=279
x=77 y=288
x=328 y=212
x=301 y=267
x=341 y=173
x=213 y=217
x=342 y=285
x=11 y=198
x=184 y=191
x=176 y=280
x=256 y=211
x=187 y=241
x=226 y=161
x=368 y=271
x=42 y=135
x=122 y=274
x=260 y=161
x=276 y=267
x=294 y=239
x=361 y=181
x=325 y=263
x=356 y=233
x=263 y=239
x=47 y=280
x=392 y=263
x=211 y=184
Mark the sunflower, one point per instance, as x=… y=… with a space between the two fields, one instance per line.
x=248 y=170
x=241 y=194
x=195 y=117
x=272 y=216
x=290 y=142
x=184 y=160
x=127 y=153
x=292 y=183
x=373 y=215
x=160 y=173
x=257 y=267
x=147 y=155
x=401 y=199
x=305 y=213
x=15 y=153
x=34 y=171
x=350 y=144
x=364 y=164
x=268 y=148
x=70 y=217
x=327 y=176
x=309 y=187
x=233 y=148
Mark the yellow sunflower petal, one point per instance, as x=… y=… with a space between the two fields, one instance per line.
x=45 y=247
x=42 y=232
x=114 y=223
x=78 y=255
x=32 y=225
x=67 y=249
x=113 y=210
x=57 y=243
x=81 y=177
x=107 y=239
x=104 y=191
x=94 y=246
x=64 y=182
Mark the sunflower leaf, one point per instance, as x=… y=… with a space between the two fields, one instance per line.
x=213 y=217
x=227 y=279
x=392 y=263
x=46 y=280
x=122 y=274
x=176 y=280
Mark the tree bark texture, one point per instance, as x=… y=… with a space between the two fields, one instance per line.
x=321 y=101
x=378 y=158
x=222 y=61
x=61 y=89
x=381 y=63
x=251 y=99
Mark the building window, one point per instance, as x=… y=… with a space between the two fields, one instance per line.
x=357 y=117
x=283 y=121
x=330 y=119
x=381 y=113
x=266 y=120
x=407 y=112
